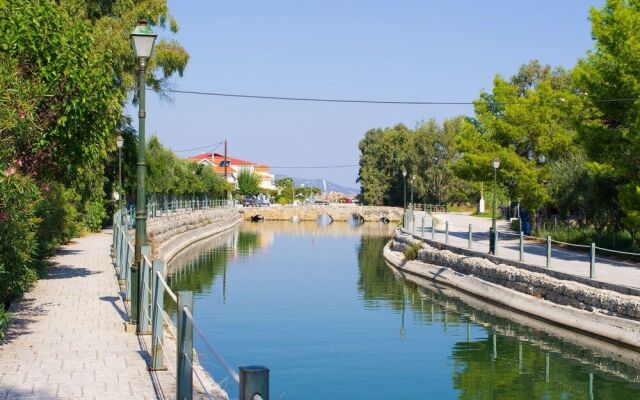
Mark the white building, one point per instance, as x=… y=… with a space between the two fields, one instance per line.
x=234 y=166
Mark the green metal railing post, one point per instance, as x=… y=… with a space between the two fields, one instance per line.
x=423 y=218
x=446 y=232
x=157 y=323
x=184 y=375
x=592 y=259
x=548 y=251
x=495 y=246
x=521 y=258
x=433 y=229
x=470 y=244
x=254 y=381
x=145 y=286
x=413 y=221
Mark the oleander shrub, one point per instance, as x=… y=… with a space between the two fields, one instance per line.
x=94 y=215
x=4 y=320
x=20 y=198
x=60 y=218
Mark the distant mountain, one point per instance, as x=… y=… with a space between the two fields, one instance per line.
x=324 y=185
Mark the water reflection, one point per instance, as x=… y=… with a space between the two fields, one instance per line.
x=330 y=300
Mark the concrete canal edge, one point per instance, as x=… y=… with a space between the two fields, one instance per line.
x=565 y=303
x=168 y=236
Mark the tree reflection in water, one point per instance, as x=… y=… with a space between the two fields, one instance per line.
x=499 y=359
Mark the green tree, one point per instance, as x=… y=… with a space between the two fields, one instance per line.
x=611 y=137
x=528 y=121
x=248 y=182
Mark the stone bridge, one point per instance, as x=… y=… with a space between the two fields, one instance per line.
x=311 y=212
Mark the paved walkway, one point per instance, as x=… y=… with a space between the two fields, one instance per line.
x=67 y=340
x=563 y=258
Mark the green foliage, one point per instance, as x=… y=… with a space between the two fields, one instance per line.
x=411 y=251
x=4 y=320
x=427 y=153
x=248 y=182
x=61 y=220
x=168 y=174
x=19 y=200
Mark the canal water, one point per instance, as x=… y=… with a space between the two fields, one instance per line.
x=319 y=307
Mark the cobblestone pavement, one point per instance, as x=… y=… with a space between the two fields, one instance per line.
x=66 y=338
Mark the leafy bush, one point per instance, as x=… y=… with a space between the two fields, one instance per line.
x=61 y=220
x=19 y=201
x=94 y=215
x=411 y=251
x=4 y=320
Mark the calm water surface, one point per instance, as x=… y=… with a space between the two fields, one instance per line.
x=318 y=306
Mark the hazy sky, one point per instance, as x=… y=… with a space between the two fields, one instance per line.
x=383 y=50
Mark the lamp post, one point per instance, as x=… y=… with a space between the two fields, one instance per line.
x=412 y=179
x=495 y=163
x=404 y=177
x=142 y=40
x=119 y=143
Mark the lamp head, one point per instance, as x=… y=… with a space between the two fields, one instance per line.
x=119 y=141
x=496 y=163
x=404 y=172
x=142 y=39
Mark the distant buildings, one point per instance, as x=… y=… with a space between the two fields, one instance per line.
x=234 y=166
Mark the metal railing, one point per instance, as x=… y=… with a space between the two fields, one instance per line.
x=429 y=207
x=253 y=381
x=165 y=208
x=549 y=248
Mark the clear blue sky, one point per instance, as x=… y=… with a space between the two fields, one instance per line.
x=387 y=50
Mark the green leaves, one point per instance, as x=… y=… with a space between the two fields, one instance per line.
x=248 y=182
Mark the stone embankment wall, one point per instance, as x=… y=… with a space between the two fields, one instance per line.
x=592 y=310
x=168 y=235
x=310 y=212
x=539 y=285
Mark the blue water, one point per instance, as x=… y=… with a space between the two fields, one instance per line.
x=319 y=307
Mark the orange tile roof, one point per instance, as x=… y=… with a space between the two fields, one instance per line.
x=217 y=158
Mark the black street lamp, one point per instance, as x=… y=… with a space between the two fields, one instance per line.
x=412 y=179
x=404 y=177
x=120 y=143
x=142 y=40
x=492 y=242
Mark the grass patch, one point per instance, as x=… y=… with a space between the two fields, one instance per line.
x=411 y=252
x=486 y=214
x=620 y=240
x=465 y=208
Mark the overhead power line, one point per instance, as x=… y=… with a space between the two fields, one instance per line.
x=315 y=166
x=318 y=100
x=368 y=101
x=200 y=148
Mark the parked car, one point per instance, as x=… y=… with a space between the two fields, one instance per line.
x=249 y=201
x=263 y=200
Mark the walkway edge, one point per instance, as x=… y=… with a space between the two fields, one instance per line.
x=618 y=330
x=626 y=290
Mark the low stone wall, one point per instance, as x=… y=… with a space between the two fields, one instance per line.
x=539 y=285
x=169 y=235
x=337 y=212
x=600 y=312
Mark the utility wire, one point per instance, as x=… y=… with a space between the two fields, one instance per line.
x=367 y=101
x=315 y=166
x=215 y=145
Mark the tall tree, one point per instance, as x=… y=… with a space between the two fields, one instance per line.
x=611 y=71
x=248 y=182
